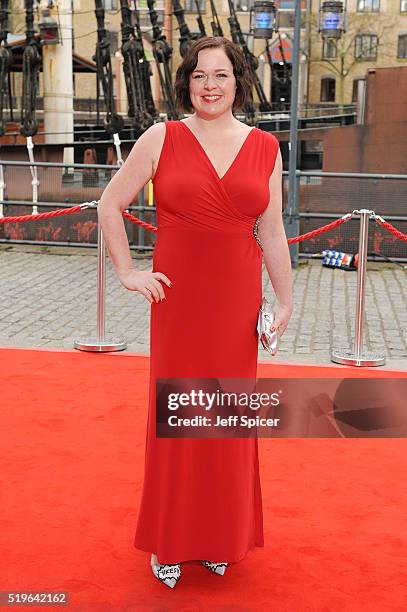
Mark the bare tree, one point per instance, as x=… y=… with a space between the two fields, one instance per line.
x=384 y=27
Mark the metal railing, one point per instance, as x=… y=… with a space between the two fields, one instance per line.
x=321 y=196
x=62 y=185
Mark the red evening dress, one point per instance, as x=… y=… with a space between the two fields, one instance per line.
x=201 y=497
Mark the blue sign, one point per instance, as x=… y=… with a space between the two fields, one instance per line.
x=331 y=21
x=263 y=20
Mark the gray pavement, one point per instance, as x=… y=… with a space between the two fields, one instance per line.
x=48 y=299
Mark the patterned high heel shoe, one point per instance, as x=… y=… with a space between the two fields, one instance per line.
x=168 y=574
x=216 y=568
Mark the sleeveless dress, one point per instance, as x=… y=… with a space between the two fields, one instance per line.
x=201 y=497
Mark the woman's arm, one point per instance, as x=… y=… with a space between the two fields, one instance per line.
x=118 y=195
x=275 y=249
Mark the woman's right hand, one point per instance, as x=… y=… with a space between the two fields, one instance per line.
x=147 y=283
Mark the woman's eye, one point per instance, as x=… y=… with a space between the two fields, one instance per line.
x=200 y=76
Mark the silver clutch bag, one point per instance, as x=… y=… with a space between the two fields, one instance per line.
x=268 y=338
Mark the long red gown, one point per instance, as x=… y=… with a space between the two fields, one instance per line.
x=201 y=498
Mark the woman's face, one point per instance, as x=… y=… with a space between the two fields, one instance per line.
x=212 y=85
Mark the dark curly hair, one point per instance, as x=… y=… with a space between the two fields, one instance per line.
x=190 y=61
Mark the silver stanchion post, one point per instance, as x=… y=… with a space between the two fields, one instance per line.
x=359 y=357
x=100 y=343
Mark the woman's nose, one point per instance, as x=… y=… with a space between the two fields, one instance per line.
x=210 y=82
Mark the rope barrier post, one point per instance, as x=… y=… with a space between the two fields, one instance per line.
x=100 y=344
x=359 y=357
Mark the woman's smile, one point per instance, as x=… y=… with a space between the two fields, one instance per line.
x=210 y=99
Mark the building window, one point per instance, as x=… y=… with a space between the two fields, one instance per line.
x=242 y=5
x=328 y=89
x=110 y=5
x=368 y=6
x=286 y=13
x=190 y=6
x=329 y=49
x=355 y=87
x=290 y=4
x=366 y=47
x=145 y=23
x=402 y=47
x=403 y=6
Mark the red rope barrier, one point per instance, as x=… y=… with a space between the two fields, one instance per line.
x=320 y=230
x=153 y=228
x=45 y=215
x=137 y=221
x=391 y=228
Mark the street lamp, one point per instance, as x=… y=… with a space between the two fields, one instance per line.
x=265 y=16
x=331 y=26
x=332 y=18
x=49 y=29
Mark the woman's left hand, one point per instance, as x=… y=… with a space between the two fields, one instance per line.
x=282 y=316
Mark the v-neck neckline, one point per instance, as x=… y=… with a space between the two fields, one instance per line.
x=207 y=156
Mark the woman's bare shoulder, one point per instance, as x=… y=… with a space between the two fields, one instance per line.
x=154 y=135
x=147 y=148
x=154 y=140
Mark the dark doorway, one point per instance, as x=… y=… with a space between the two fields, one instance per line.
x=281 y=86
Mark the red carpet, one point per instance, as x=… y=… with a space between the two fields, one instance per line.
x=73 y=430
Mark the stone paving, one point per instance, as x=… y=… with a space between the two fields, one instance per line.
x=48 y=299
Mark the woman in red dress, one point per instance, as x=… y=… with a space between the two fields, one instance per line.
x=213 y=176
